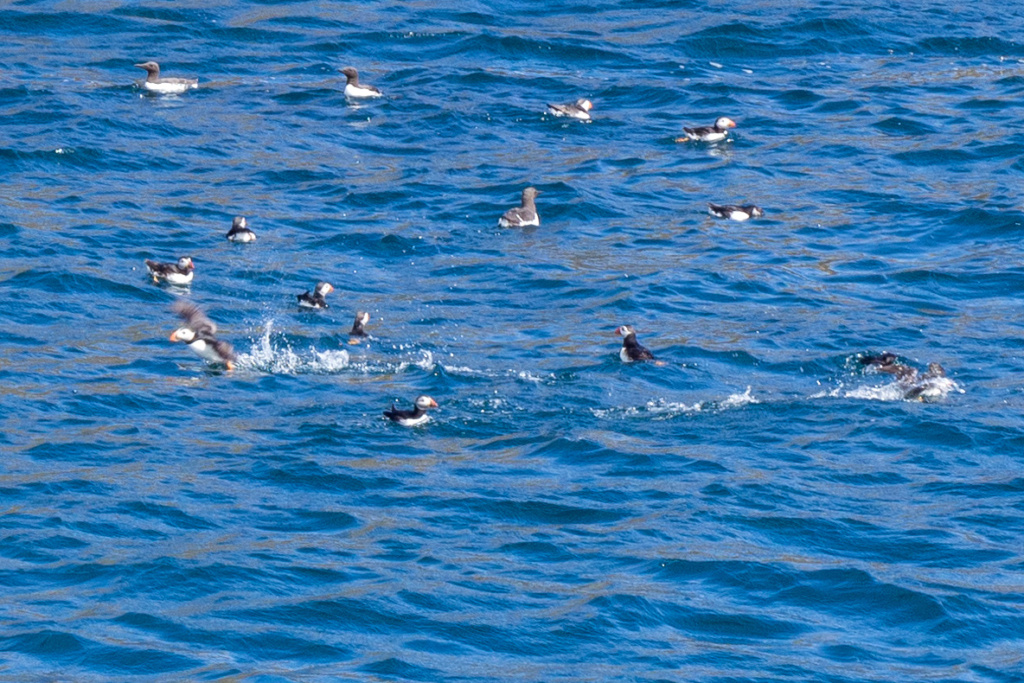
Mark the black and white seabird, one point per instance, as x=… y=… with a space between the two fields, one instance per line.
x=715 y=133
x=736 y=213
x=316 y=299
x=580 y=109
x=169 y=86
x=522 y=216
x=355 y=89
x=917 y=386
x=411 y=418
x=240 y=231
x=179 y=273
x=198 y=334
x=631 y=349
x=357 y=330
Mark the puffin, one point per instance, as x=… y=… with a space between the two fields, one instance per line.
x=412 y=418
x=355 y=89
x=198 y=334
x=524 y=215
x=167 y=86
x=580 y=109
x=179 y=273
x=917 y=386
x=357 y=330
x=316 y=299
x=716 y=133
x=631 y=349
x=240 y=231
x=736 y=213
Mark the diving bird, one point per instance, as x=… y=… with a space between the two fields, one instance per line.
x=736 y=213
x=580 y=109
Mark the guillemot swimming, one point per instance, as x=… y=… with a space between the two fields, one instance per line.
x=198 y=334
x=169 y=86
x=353 y=88
x=631 y=349
x=580 y=109
x=357 y=330
x=316 y=299
x=714 y=133
x=240 y=231
x=411 y=418
x=736 y=213
x=179 y=273
x=916 y=386
x=523 y=215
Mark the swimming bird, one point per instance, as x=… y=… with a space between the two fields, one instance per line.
x=524 y=215
x=715 y=133
x=357 y=327
x=179 y=273
x=240 y=231
x=736 y=213
x=353 y=88
x=198 y=334
x=316 y=299
x=930 y=385
x=580 y=109
x=168 y=86
x=631 y=349
x=411 y=418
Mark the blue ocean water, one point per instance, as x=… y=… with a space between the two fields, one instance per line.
x=758 y=508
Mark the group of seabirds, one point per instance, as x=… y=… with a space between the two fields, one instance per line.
x=199 y=332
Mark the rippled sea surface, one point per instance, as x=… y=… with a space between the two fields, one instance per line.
x=759 y=507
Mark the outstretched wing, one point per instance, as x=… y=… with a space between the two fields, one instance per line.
x=195 y=319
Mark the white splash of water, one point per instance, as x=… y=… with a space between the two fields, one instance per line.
x=282 y=359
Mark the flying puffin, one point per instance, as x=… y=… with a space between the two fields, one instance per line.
x=355 y=89
x=316 y=299
x=198 y=334
x=167 y=86
x=631 y=349
x=412 y=418
x=522 y=216
x=716 y=133
x=179 y=273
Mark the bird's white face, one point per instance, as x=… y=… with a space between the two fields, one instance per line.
x=756 y=212
x=586 y=105
x=184 y=263
x=324 y=289
x=624 y=331
x=240 y=222
x=424 y=402
x=363 y=318
x=183 y=334
x=725 y=122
